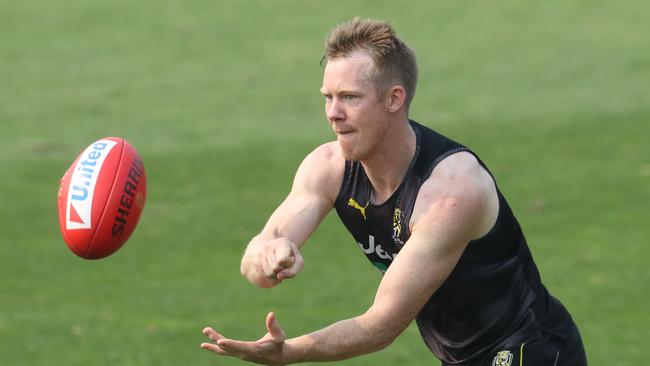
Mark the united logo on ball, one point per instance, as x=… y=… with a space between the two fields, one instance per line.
x=101 y=197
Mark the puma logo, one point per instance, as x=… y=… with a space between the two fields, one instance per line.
x=356 y=205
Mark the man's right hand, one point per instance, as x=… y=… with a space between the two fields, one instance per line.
x=272 y=261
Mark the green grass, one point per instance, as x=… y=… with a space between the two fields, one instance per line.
x=221 y=100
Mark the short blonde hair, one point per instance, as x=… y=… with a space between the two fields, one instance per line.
x=393 y=61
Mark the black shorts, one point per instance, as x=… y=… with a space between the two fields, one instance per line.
x=545 y=350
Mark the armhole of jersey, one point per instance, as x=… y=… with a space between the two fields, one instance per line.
x=500 y=201
x=346 y=177
x=445 y=155
x=448 y=153
x=497 y=222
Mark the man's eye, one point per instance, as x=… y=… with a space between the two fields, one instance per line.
x=349 y=97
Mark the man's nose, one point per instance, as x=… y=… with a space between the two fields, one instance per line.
x=334 y=111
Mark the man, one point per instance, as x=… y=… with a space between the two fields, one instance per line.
x=425 y=211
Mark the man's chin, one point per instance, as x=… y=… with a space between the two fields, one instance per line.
x=350 y=154
x=347 y=154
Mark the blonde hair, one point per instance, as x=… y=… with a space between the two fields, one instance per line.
x=393 y=61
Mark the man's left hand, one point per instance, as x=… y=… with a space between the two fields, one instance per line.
x=268 y=350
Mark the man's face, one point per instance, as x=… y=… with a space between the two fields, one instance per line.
x=354 y=109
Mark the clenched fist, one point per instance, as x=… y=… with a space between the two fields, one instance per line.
x=267 y=263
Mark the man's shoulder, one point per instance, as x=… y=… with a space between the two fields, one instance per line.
x=325 y=159
x=329 y=152
x=460 y=179
x=322 y=170
x=461 y=165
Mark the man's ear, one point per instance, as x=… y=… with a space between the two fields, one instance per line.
x=396 y=98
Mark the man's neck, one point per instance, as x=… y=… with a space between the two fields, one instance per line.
x=387 y=167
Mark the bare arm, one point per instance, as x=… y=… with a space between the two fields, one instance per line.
x=454 y=206
x=274 y=254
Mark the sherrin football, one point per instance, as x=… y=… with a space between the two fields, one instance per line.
x=101 y=197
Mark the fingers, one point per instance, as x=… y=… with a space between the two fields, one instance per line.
x=238 y=348
x=215 y=337
x=224 y=346
x=214 y=348
x=231 y=347
x=267 y=264
x=212 y=334
x=266 y=350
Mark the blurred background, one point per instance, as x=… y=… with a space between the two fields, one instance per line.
x=221 y=100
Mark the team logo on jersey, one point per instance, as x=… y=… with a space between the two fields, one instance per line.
x=503 y=358
x=397 y=226
x=357 y=206
x=371 y=248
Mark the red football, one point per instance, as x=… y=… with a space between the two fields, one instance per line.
x=101 y=197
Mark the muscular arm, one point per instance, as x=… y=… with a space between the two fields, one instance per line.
x=312 y=196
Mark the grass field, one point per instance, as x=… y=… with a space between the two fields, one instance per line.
x=221 y=99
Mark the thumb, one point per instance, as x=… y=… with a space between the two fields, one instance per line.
x=274 y=328
x=284 y=255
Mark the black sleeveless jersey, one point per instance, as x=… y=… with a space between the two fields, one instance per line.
x=493 y=296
